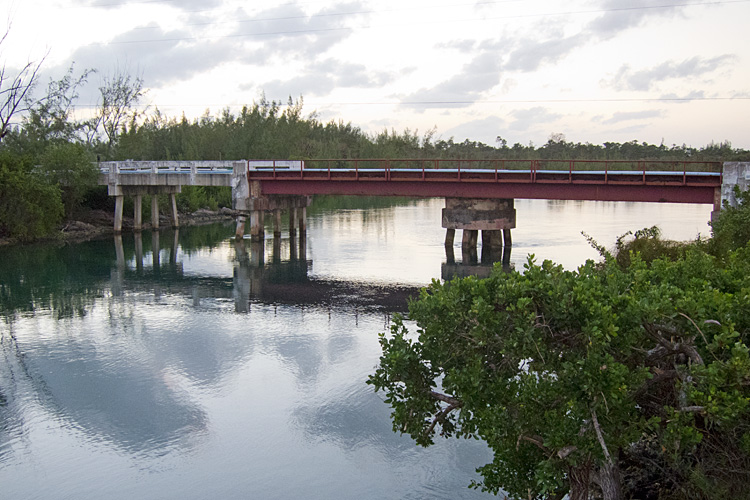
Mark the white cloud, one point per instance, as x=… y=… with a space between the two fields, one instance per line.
x=624 y=116
x=646 y=79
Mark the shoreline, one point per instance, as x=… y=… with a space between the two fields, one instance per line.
x=99 y=224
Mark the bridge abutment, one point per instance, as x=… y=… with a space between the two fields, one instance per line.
x=249 y=201
x=733 y=174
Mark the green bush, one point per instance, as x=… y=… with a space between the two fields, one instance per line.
x=71 y=167
x=30 y=206
x=731 y=228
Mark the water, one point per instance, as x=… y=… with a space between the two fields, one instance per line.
x=191 y=366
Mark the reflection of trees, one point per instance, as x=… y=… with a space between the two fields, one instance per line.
x=11 y=409
x=64 y=279
x=123 y=373
x=327 y=203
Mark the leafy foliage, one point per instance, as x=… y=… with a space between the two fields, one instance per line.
x=731 y=229
x=605 y=381
x=70 y=166
x=30 y=206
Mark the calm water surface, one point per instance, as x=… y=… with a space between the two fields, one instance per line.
x=192 y=366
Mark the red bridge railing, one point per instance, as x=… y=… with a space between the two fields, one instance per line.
x=623 y=172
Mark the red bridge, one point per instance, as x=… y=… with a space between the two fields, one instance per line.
x=479 y=194
x=644 y=181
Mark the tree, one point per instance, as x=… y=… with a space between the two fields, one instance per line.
x=731 y=229
x=605 y=382
x=15 y=89
x=29 y=205
x=119 y=93
x=49 y=119
x=71 y=167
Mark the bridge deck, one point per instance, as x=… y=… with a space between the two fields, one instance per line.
x=649 y=181
x=601 y=185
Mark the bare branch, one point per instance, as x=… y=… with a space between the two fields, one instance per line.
x=440 y=417
x=537 y=441
x=600 y=437
x=445 y=398
x=693 y=409
x=671 y=347
x=16 y=91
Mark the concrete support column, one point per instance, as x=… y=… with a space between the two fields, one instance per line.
x=257 y=232
x=450 y=235
x=292 y=222
x=492 y=239
x=277 y=223
x=154 y=212
x=507 y=242
x=119 y=200
x=239 y=232
x=137 y=213
x=302 y=211
x=173 y=206
x=470 y=238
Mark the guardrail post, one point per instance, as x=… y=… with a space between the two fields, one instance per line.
x=570 y=171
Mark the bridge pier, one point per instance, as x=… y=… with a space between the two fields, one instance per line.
x=494 y=217
x=239 y=232
x=255 y=207
x=257 y=229
x=154 y=212
x=302 y=220
x=138 y=213
x=119 y=201
x=120 y=191
x=276 y=224
x=292 y=221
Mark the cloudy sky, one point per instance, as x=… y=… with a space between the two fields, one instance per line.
x=676 y=71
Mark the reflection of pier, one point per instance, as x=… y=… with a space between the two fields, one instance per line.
x=282 y=279
x=470 y=265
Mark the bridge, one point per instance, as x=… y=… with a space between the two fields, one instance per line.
x=479 y=194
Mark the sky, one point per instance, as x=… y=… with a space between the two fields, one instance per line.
x=659 y=71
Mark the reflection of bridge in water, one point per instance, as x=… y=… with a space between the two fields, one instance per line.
x=279 y=280
x=255 y=279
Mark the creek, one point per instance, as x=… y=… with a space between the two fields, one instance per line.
x=187 y=365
